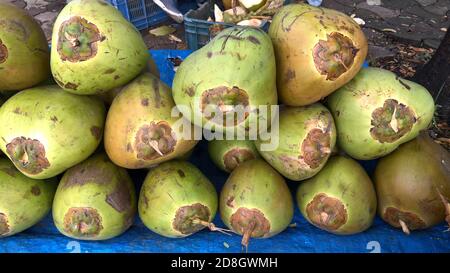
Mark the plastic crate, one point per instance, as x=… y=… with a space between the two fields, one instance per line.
x=199 y=31
x=145 y=13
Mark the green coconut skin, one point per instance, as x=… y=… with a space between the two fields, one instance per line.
x=410 y=180
x=100 y=185
x=295 y=124
x=231 y=59
x=121 y=52
x=252 y=5
x=353 y=104
x=69 y=127
x=218 y=150
x=28 y=57
x=23 y=201
x=169 y=187
x=344 y=179
x=256 y=185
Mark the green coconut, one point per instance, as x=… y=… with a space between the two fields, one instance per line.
x=216 y=87
x=228 y=154
x=95 y=200
x=94 y=48
x=340 y=199
x=23 y=201
x=377 y=111
x=255 y=201
x=46 y=130
x=306 y=138
x=177 y=200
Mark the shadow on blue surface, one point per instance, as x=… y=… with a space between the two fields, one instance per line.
x=44 y=237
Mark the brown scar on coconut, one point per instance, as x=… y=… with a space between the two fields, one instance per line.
x=224 y=100
x=71 y=85
x=3 y=52
x=28 y=154
x=79 y=176
x=120 y=198
x=334 y=56
x=316 y=147
x=407 y=221
x=250 y=223
x=96 y=132
x=236 y=156
x=154 y=140
x=391 y=121
x=83 y=222
x=327 y=212
x=4 y=225
x=77 y=40
x=290 y=74
x=35 y=190
x=193 y=218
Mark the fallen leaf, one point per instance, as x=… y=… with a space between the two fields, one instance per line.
x=174 y=38
x=359 y=21
x=162 y=30
x=389 y=30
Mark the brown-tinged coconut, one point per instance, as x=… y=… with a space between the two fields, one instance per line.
x=317 y=51
x=413 y=185
x=140 y=130
x=24 y=53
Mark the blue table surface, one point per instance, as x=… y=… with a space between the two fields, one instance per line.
x=304 y=237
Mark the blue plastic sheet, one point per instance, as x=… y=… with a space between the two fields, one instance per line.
x=44 y=237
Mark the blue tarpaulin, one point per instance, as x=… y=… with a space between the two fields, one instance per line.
x=304 y=237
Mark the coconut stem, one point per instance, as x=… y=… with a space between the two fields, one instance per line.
x=73 y=40
x=247 y=233
x=404 y=227
x=338 y=58
x=394 y=123
x=154 y=145
x=24 y=158
x=447 y=209
x=211 y=226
